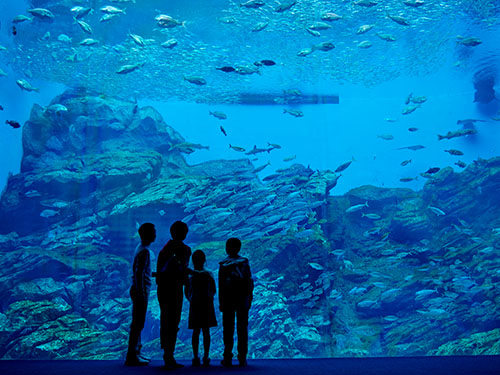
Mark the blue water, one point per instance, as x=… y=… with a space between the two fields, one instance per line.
x=372 y=85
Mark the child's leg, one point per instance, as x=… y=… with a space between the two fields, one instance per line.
x=195 y=341
x=206 y=342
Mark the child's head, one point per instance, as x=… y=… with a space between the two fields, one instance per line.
x=233 y=246
x=198 y=259
x=147 y=232
x=179 y=231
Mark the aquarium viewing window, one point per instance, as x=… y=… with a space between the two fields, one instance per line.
x=352 y=146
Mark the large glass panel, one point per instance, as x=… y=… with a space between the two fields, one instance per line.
x=351 y=145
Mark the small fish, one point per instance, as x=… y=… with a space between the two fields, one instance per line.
x=407 y=179
x=418 y=99
x=387 y=137
x=2 y=73
x=273 y=145
x=21 y=18
x=226 y=69
x=168 y=22
x=412 y=129
x=246 y=69
x=187 y=147
x=13 y=123
x=399 y=20
x=48 y=213
x=1 y=108
x=470 y=42
x=64 y=38
x=265 y=63
x=357 y=207
x=41 y=13
x=294 y=112
x=259 y=26
x=413 y=148
x=305 y=52
x=217 y=114
x=80 y=12
x=125 y=69
x=236 y=148
x=256 y=150
x=433 y=170
x=328 y=16
x=171 y=43
x=458 y=133
x=371 y=216
x=25 y=85
x=89 y=42
x=316 y=266
x=452 y=151
x=258 y=169
x=409 y=109
x=200 y=81
x=84 y=26
x=319 y=26
x=414 y=3
x=437 y=211
x=253 y=4
x=388 y=119
x=387 y=38
x=461 y=164
x=284 y=6
x=139 y=40
x=112 y=10
x=366 y=3
x=343 y=167
x=223 y=130
x=365 y=44
x=364 y=29
x=290 y=158
x=323 y=46
x=405 y=162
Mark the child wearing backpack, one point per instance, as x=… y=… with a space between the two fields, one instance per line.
x=200 y=292
x=235 y=298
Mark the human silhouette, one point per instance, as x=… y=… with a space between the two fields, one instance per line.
x=200 y=292
x=235 y=298
x=172 y=273
x=139 y=292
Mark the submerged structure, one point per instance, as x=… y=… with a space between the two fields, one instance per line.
x=360 y=177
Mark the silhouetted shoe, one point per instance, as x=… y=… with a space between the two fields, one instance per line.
x=226 y=362
x=196 y=362
x=144 y=358
x=172 y=364
x=242 y=362
x=206 y=361
x=135 y=361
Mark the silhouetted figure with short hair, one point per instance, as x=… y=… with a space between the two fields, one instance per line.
x=200 y=292
x=141 y=286
x=235 y=298
x=172 y=273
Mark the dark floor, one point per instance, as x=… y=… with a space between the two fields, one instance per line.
x=483 y=365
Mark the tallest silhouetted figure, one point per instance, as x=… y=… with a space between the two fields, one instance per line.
x=172 y=275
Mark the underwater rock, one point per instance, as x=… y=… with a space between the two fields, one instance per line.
x=410 y=223
x=481 y=343
x=327 y=282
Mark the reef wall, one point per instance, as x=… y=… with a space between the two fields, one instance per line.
x=408 y=273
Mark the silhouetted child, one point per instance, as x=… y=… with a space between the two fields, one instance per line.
x=200 y=292
x=139 y=292
x=172 y=275
x=235 y=299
